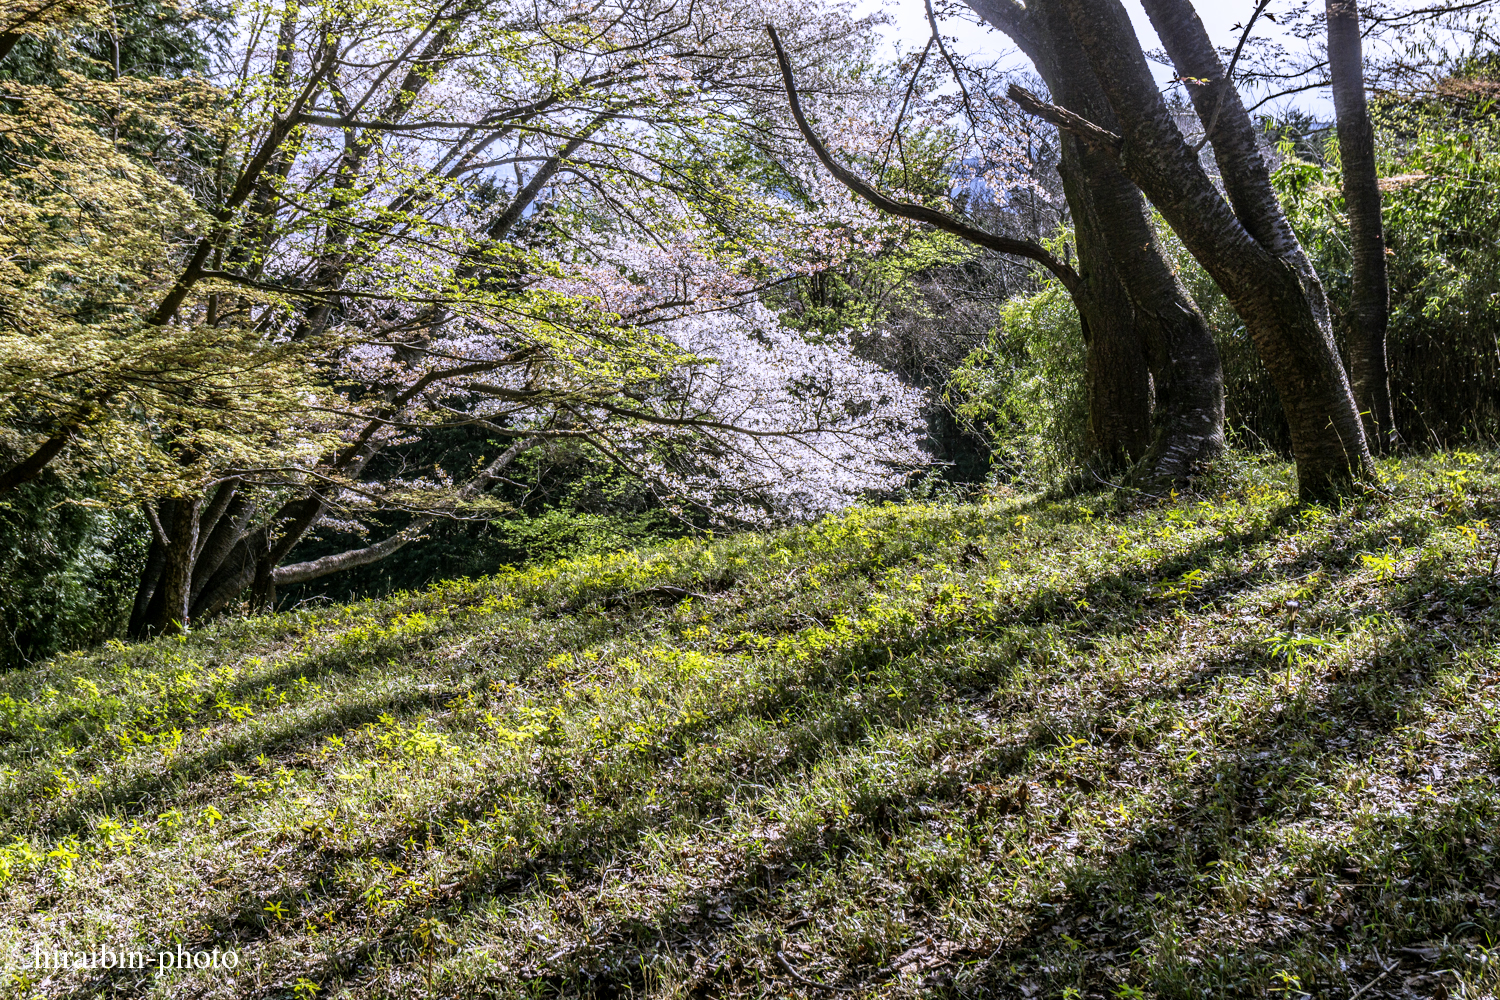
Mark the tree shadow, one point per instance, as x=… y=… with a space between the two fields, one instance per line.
x=1263 y=781
x=617 y=960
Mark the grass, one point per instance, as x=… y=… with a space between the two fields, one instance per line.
x=1221 y=746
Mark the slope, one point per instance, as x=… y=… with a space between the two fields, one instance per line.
x=1222 y=745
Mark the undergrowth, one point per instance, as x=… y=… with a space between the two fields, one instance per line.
x=1220 y=745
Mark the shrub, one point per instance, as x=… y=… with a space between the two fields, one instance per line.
x=1023 y=390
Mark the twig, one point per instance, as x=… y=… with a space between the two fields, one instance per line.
x=896 y=129
x=958 y=76
x=1362 y=990
x=787 y=966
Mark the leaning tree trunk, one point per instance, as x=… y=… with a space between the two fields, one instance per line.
x=150 y=581
x=207 y=554
x=1371 y=293
x=1181 y=358
x=1180 y=349
x=1247 y=244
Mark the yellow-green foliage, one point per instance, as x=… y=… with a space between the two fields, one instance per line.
x=94 y=236
x=1211 y=745
x=1023 y=391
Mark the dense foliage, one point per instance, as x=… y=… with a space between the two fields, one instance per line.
x=65 y=574
x=1022 y=390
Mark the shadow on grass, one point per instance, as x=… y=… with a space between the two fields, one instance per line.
x=1242 y=793
x=1222 y=817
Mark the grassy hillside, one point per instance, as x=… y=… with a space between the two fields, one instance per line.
x=1215 y=746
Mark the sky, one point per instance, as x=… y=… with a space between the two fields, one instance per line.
x=1219 y=17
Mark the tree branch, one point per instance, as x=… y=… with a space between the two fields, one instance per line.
x=958 y=77
x=1427 y=13
x=281 y=127
x=1074 y=124
x=157 y=530
x=1213 y=119
x=919 y=213
x=1315 y=85
x=1236 y=142
x=323 y=566
x=32 y=466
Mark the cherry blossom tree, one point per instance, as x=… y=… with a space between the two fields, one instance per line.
x=527 y=219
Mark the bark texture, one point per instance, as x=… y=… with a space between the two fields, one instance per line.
x=1371 y=297
x=1117 y=381
x=1247 y=244
x=180 y=546
x=156 y=558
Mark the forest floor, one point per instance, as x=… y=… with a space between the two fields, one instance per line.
x=1217 y=745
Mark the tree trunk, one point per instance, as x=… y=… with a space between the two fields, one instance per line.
x=219 y=541
x=1118 y=390
x=1188 y=419
x=1185 y=377
x=1180 y=351
x=337 y=562
x=156 y=560
x=263 y=591
x=296 y=519
x=1247 y=246
x=177 y=571
x=235 y=574
x=32 y=465
x=1117 y=383
x=1371 y=292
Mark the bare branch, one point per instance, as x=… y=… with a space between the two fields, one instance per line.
x=957 y=76
x=1099 y=138
x=1425 y=13
x=919 y=213
x=156 y=528
x=1213 y=119
x=323 y=566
